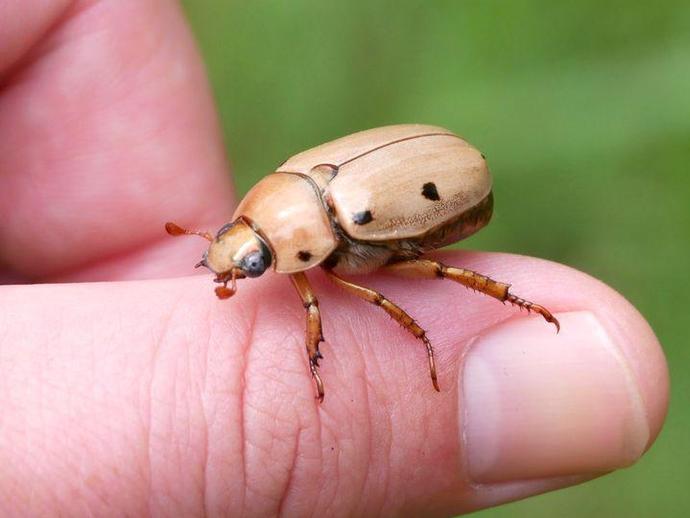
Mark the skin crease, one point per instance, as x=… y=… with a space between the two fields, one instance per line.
x=153 y=397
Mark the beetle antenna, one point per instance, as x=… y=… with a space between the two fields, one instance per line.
x=176 y=230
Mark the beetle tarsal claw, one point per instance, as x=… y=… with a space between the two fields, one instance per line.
x=313 y=367
x=536 y=308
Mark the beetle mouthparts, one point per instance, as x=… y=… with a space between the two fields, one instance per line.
x=223 y=292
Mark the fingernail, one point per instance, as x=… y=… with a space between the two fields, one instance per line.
x=538 y=404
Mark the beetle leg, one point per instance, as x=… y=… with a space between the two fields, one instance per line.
x=426 y=269
x=397 y=313
x=314 y=334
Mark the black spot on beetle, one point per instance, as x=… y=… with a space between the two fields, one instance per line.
x=304 y=255
x=362 y=218
x=429 y=191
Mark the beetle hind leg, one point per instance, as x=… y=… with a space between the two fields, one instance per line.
x=396 y=312
x=314 y=334
x=427 y=269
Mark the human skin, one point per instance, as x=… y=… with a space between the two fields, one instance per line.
x=153 y=397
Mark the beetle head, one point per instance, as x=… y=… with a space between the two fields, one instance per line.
x=236 y=252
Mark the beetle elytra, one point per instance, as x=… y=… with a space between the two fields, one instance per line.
x=377 y=199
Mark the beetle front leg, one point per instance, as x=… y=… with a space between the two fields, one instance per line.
x=426 y=269
x=396 y=312
x=314 y=334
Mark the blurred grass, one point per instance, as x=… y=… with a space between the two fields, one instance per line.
x=583 y=110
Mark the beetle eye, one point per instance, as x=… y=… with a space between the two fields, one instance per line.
x=254 y=264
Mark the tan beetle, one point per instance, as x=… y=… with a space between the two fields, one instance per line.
x=375 y=199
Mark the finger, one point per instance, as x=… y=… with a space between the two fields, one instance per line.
x=107 y=130
x=207 y=405
x=523 y=410
x=31 y=21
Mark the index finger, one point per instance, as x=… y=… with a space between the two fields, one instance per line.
x=107 y=130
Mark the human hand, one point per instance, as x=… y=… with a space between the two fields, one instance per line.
x=153 y=397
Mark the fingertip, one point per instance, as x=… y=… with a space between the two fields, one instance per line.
x=643 y=354
x=536 y=405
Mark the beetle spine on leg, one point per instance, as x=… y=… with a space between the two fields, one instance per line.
x=424 y=268
x=396 y=312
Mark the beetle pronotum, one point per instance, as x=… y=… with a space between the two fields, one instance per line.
x=375 y=199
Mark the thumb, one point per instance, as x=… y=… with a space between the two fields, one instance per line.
x=523 y=410
x=155 y=397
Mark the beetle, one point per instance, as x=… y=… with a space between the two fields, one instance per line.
x=377 y=199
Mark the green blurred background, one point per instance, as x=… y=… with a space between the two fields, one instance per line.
x=582 y=108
